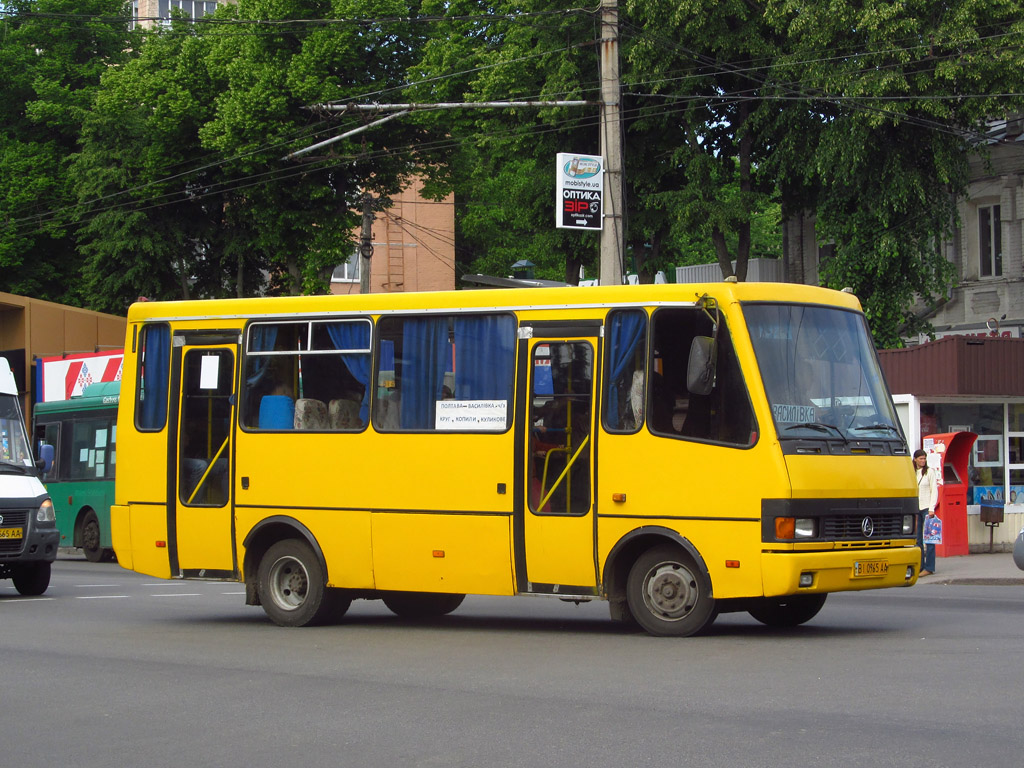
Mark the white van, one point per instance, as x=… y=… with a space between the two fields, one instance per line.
x=28 y=528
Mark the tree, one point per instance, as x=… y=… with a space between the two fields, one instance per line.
x=184 y=161
x=52 y=56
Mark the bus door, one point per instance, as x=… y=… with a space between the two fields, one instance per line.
x=201 y=514
x=555 y=536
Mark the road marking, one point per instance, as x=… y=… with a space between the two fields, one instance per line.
x=25 y=599
x=98 y=597
x=90 y=586
x=239 y=592
x=179 y=594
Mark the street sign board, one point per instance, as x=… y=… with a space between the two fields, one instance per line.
x=579 y=191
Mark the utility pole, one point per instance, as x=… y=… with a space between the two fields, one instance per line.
x=613 y=246
x=366 y=244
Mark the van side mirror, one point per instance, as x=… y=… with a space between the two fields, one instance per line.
x=45 y=462
x=700 y=369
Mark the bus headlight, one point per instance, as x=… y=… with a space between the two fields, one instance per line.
x=788 y=528
x=45 y=513
x=908 y=524
x=806 y=528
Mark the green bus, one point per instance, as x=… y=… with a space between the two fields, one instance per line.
x=83 y=433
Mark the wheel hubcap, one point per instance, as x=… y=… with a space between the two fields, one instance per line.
x=670 y=591
x=289 y=583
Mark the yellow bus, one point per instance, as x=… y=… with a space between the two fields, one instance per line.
x=676 y=450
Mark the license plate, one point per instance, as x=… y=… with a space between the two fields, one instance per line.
x=867 y=568
x=11 y=533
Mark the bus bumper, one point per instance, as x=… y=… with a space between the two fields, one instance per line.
x=790 y=573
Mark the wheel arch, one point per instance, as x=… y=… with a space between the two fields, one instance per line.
x=265 y=534
x=628 y=548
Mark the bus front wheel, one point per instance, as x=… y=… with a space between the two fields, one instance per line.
x=293 y=588
x=668 y=593
x=31 y=579
x=789 y=611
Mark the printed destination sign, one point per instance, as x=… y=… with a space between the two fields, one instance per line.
x=470 y=415
x=579 y=191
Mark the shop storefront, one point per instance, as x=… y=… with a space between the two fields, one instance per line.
x=973 y=384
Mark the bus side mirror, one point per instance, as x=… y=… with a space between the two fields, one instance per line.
x=700 y=370
x=45 y=462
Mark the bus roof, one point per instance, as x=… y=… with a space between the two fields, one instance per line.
x=104 y=394
x=497 y=299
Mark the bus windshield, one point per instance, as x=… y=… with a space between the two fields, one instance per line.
x=13 y=441
x=820 y=372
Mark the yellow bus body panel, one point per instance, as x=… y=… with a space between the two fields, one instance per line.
x=443 y=553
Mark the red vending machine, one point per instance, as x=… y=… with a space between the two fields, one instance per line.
x=951 y=451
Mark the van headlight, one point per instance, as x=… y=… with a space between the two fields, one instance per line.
x=908 y=524
x=45 y=513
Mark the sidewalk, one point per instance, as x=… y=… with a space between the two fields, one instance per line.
x=982 y=569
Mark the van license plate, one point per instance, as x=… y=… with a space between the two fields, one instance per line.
x=867 y=568
x=11 y=533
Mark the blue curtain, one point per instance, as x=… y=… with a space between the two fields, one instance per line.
x=484 y=356
x=156 y=366
x=261 y=339
x=628 y=329
x=355 y=336
x=424 y=346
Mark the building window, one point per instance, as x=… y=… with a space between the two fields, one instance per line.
x=990 y=242
x=194 y=9
x=347 y=271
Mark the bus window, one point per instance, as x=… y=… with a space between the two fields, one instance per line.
x=627 y=351
x=307 y=375
x=725 y=415
x=154 y=366
x=449 y=372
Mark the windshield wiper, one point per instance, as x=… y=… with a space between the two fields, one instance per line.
x=13 y=469
x=818 y=426
x=889 y=427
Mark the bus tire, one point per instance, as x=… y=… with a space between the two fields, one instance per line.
x=31 y=579
x=791 y=611
x=91 y=548
x=293 y=586
x=668 y=593
x=421 y=605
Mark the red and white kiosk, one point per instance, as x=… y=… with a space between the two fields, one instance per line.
x=949 y=453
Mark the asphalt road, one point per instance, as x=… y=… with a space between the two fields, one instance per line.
x=114 y=668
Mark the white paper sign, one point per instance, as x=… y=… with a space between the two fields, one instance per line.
x=208 y=371
x=470 y=415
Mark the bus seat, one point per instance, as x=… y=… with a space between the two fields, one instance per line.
x=344 y=414
x=277 y=412
x=310 y=414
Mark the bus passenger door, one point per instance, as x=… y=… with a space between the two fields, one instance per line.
x=201 y=524
x=555 y=516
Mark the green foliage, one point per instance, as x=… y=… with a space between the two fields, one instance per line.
x=50 y=64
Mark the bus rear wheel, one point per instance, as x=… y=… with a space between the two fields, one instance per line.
x=293 y=587
x=31 y=579
x=94 y=553
x=789 y=611
x=669 y=594
x=422 y=605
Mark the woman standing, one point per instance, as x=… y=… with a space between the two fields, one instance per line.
x=927 y=498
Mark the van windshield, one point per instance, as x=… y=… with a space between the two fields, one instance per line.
x=821 y=373
x=13 y=440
